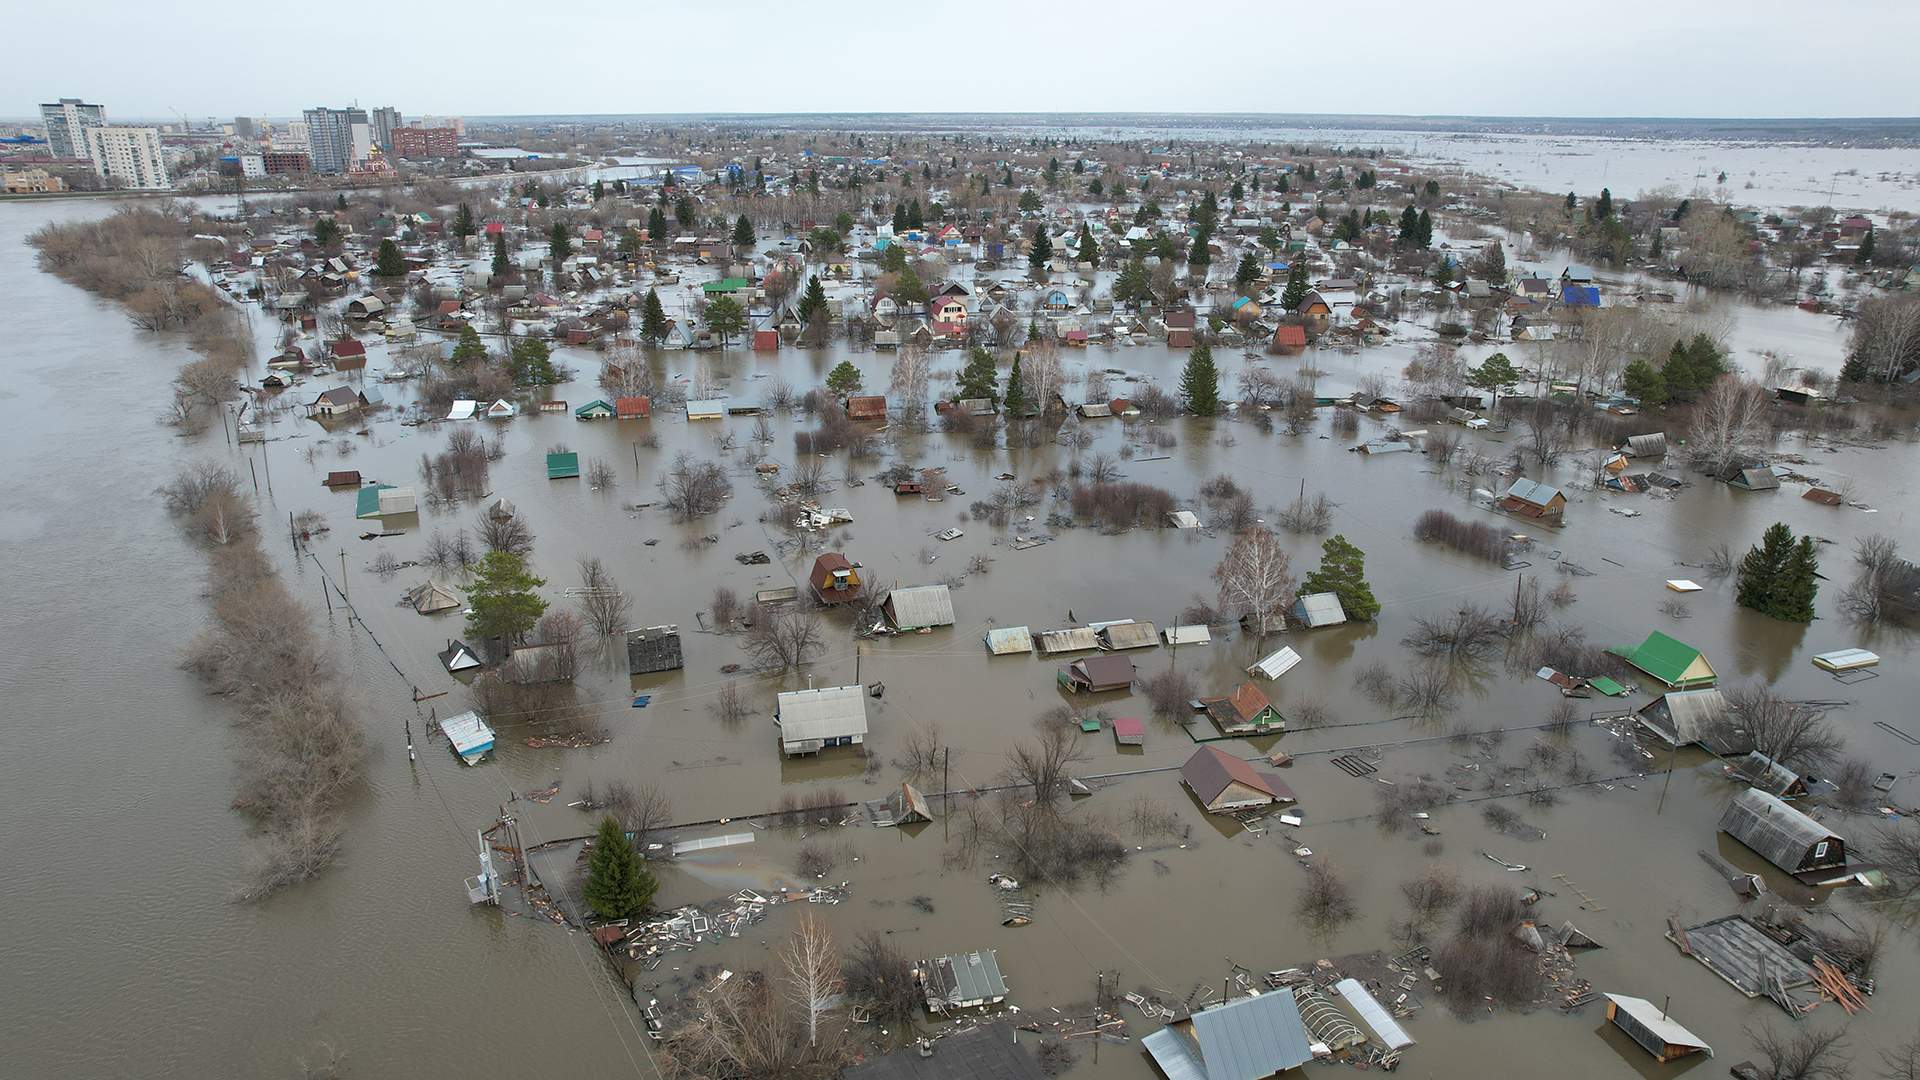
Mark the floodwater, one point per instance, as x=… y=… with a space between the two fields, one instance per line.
x=126 y=957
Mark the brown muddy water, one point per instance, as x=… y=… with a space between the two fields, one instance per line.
x=124 y=955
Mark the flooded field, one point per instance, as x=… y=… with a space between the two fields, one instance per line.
x=126 y=957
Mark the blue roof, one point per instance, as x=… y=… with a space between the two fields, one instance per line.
x=1245 y=1039
x=1580 y=296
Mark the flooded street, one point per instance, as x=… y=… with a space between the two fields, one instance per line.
x=126 y=956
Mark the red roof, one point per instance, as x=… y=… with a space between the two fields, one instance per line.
x=629 y=407
x=867 y=407
x=495 y=228
x=1180 y=320
x=1289 y=336
x=349 y=347
x=449 y=307
x=766 y=340
x=950 y=329
x=1129 y=727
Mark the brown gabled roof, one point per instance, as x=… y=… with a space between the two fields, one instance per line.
x=1248 y=701
x=1180 y=320
x=825 y=565
x=1210 y=770
x=867 y=407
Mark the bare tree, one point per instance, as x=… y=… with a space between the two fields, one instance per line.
x=1886 y=587
x=1326 y=901
x=642 y=812
x=812 y=966
x=1428 y=897
x=1886 y=334
x=1169 y=692
x=1902 y=1062
x=1791 y=732
x=779 y=640
x=878 y=973
x=1801 y=1053
x=724 y=608
x=505 y=532
x=727 y=706
x=1254 y=576
x=1728 y=423
x=602 y=603
x=692 y=488
x=1042 y=763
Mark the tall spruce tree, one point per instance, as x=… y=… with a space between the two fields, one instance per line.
x=618 y=885
x=1343 y=572
x=742 y=232
x=499 y=255
x=1296 y=291
x=812 y=299
x=463 y=225
x=1041 y=252
x=979 y=379
x=559 y=244
x=1017 y=404
x=389 y=264
x=653 y=319
x=1778 y=575
x=1200 y=382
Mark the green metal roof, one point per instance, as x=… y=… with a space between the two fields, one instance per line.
x=725 y=285
x=1663 y=658
x=596 y=405
x=369 y=501
x=1606 y=686
x=562 y=466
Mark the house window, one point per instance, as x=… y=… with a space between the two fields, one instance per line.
x=1820 y=850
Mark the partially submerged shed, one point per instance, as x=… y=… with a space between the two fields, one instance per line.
x=1097 y=674
x=1009 y=640
x=1784 y=836
x=962 y=981
x=1315 y=610
x=1534 y=499
x=835 y=579
x=918 y=607
x=654 y=648
x=563 y=466
x=1276 y=664
x=813 y=720
x=1066 y=640
x=1647 y=1024
x=431 y=597
x=1130 y=731
x=1768 y=775
x=1690 y=717
x=469 y=736
x=1127 y=635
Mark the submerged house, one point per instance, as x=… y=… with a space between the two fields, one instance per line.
x=1770 y=776
x=654 y=648
x=835 y=579
x=563 y=466
x=813 y=720
x=986 y=1052
x=961 y=981
x=1245 y=712
x=1674 y=664
x=1689 y=718
x=431 y=597
x=1315 y=610
x=1648 y=1024
x=919 y=607
x=1224 y=783
x=1785 y=837
x=1096 y=674
x=1247 y=1038
x=1531 y=498
x=469 y=736
x=1009 y=640
x=1127 y=635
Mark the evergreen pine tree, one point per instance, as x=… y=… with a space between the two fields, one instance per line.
x=1200 y=251
x=559 y=244
x=463 y=225
x=499 y=255
x=726 y=318
x=813 y=299
x=1088 y=250
x=844 y=379
x=1343 y=572
x=1426 y=229
x=1018 y=405
x=742 y=232
x=916 y=217
x=501 y=601
x=1865 y=254
x=979 y=379
x=1296 y=291
x=1855 y=370
x=1133 y=285
x=618 y=885
x=1237 y=192
x=469 y=348
x=653 y=318
x=1247 y=272
x=1409 y=227
x=1644 y=382
x=1200 y=382
x=599 y=190
x=1605 y=209
x=656 y=225
x=1799 y=583
x=532 y=363
x=1778 y=576
x=899 y=218
x=1042 y=251
x=389 y=264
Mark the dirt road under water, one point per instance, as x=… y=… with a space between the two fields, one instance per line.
x=124 y=955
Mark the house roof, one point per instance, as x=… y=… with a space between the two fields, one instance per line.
x=1247 y=701
x=824 y=713
x=1130 y=727
x=1249 y=1038
x=1686 y=716
x=1672 y=662
x=1656 y=1022
x=1009 y=640
x=1534 y=491
x=1069 y=639
x=1129 y=635
x=1210 y=770
x=1320 y=609
x=867 y=407
x=1104 y=670
x=1778 y=832
x=918 y=606
x=631 y=406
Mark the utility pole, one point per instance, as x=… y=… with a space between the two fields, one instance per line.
x=344 y=595
x=946 y=785
x=1672 y=753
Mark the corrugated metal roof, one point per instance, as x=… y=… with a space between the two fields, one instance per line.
x=1196 y=634
x=1277 y=664
x=1320 y=609
x=973 y=976
x=1780 y=834
x=1009 y=640
x=1376 y=1016
x=469 y=734
x=829 y=712
x=1175 y=1054
x=1072 y=639
x=1130 y=635
x=1252 y=1038
x=918 y=606
x=706 y=410
x=1533 y=491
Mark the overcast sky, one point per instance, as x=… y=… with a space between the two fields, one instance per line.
x=1718 y=58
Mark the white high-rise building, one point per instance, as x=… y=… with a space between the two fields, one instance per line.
x=333 y=141
x=67 y=122
x=384 y=120
x=129 y=157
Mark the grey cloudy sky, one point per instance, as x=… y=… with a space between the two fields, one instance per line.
x=483 y=57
